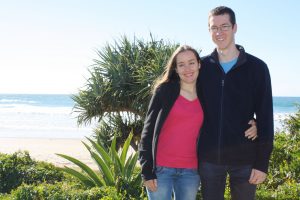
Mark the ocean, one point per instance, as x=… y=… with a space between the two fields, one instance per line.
x=50 y=116
x=39 y=116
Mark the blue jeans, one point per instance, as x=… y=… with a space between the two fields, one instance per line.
x=182 y=183
x=213 y=181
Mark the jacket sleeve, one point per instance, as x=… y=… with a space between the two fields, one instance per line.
x=264 y=117
x=146 y=143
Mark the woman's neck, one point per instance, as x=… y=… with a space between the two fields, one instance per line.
x=188 y=91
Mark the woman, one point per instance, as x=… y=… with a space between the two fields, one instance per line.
x=167 y=150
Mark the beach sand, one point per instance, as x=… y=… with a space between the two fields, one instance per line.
x=46 y=149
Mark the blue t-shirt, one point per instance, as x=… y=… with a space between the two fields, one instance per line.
x=228 y=65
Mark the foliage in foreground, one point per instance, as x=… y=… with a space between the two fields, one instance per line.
x=20 y=168
x=284 y=171
x=115 y=169
x=291 y=124
x=282 y=184
x=63 y=191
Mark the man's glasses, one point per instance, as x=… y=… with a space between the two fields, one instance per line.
x=224 y=27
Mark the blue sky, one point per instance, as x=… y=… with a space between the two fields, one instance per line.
x=47 y=46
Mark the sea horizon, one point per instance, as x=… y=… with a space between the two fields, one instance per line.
x=51 y=115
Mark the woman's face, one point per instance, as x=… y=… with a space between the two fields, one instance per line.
x=187 y=67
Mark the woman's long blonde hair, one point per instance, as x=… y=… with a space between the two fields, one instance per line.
x=170 y=73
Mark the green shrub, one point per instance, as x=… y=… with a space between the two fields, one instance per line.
x=63 y=191
x=4 y=196
x=115 y=169
x=285 y=160
x=19 y=168
x=286 y=191
x=292 y=123
x=283 y=181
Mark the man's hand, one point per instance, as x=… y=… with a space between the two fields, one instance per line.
x=251 y=133
x=257 y=177
x=151 y=185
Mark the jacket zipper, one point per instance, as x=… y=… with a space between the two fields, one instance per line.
x=221 y=120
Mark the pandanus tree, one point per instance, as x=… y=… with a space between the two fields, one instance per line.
x=118 y=90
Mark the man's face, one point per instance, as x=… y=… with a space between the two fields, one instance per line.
x=222 y=31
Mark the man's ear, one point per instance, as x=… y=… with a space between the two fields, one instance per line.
x=235 y=28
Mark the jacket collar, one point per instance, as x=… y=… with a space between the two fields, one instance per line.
x=172 y=90
x=241 y=59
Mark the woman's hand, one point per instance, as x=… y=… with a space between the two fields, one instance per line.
x=251 y=133
x=151 y=185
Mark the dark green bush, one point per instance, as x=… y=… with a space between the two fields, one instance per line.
x=286 y=191
x=285 y=160
x=283 y=182
x=291 y=124
x=19 y=168
x=63 y=191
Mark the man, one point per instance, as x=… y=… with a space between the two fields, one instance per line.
x=235 y=87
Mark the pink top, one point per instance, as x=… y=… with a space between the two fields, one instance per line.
x=177 y=141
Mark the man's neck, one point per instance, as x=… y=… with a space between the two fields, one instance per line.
x=226 y=55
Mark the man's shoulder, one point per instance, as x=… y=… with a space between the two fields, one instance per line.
x=208 y=60
x=253 y=59
x=206 y=57
x=256 y=63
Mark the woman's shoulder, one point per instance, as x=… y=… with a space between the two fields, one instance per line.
x=167 y=92
x=168 y=86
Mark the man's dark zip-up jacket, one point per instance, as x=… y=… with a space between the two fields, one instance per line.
x=159 y=107
x=229 y=101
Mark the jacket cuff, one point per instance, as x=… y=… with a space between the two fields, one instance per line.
x=147 y=177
